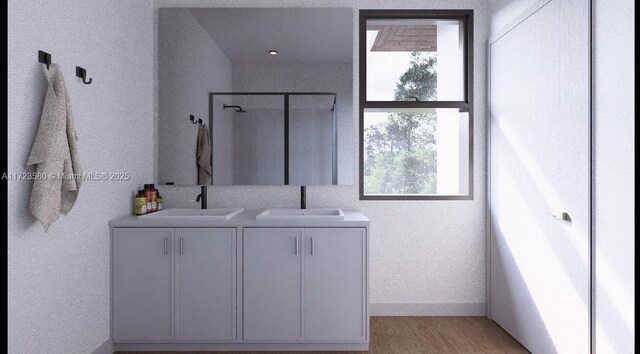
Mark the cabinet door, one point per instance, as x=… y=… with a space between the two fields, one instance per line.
x=272 y=284
x=205 y=283
x=142 y=284
x=335 y=284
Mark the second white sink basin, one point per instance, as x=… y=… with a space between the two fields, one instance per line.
x=305 y=214
x=194 y=214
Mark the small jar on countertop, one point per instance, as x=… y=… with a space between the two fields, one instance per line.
x=158 y=201
x=148 y=192
x=141 y=203
x=154 y=196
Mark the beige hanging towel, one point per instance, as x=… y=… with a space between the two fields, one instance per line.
x=203 y=156
x=54 y=155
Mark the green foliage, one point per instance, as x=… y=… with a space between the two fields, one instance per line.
x=420 y=80
x=400 y=152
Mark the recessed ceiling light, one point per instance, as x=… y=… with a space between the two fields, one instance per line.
x=273 y=52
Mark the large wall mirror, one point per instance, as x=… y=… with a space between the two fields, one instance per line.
x=269 y=89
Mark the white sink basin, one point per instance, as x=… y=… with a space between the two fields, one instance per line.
x=304 y=214
x=194 y=214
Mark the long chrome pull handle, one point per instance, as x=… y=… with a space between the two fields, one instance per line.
x=296 y=246
x=166 y=252
x=313 y=246
x=181 y=245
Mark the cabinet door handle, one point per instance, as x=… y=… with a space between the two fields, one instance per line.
x=296 y=246
x=313 y=246
x=181 y=245
x=165 y=246
x=561 y=215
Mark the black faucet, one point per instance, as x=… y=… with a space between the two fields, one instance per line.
x=202 y=197
x=303 y=197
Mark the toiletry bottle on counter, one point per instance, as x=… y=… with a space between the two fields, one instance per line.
x=154 y=195
x=148 y=193
x=141 y=203
x=158 y=201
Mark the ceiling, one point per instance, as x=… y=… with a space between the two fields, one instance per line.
x=405 y=38
x=300 y=35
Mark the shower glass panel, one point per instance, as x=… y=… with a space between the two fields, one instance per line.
x=311 y=156
x=247 y=140
x=262 y=138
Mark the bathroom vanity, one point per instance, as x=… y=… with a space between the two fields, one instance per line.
x=229 y=280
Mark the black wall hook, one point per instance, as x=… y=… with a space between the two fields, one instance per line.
x=44 y=58
x=82 y=73
x=193 y=119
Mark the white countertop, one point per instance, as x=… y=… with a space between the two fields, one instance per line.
x=247 y=218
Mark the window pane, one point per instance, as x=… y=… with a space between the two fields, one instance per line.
x=416 y=152
x=415 y=60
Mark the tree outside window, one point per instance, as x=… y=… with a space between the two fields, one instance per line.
x=401 y=151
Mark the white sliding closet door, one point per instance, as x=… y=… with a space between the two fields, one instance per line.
x=539 y=166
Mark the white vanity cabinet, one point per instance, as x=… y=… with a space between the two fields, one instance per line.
x=174 y=284
x=272 y=284
x=240 y=284
x=142 y=284
x=205 y=285
x=305 y=284
x=335 y=284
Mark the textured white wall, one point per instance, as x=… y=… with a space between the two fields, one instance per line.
x=185 y=79
x=58 y=283
x=422 y=253
x=614 y=161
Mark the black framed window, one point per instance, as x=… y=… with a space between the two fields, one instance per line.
x=416 y=104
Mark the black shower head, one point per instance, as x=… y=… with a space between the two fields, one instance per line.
x=238 y=110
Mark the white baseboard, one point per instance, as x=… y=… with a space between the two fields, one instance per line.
x=105 y=348
x=428 y=309
x=242 y=346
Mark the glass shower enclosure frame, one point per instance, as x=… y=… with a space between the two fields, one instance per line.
x=286 y=118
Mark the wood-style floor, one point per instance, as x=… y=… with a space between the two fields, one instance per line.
x=417 y=335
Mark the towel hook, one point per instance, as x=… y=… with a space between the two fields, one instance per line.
x=82 y=73
x=44 y=58
x=193 y=119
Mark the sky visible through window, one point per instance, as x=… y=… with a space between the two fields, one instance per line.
x=383 y=71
